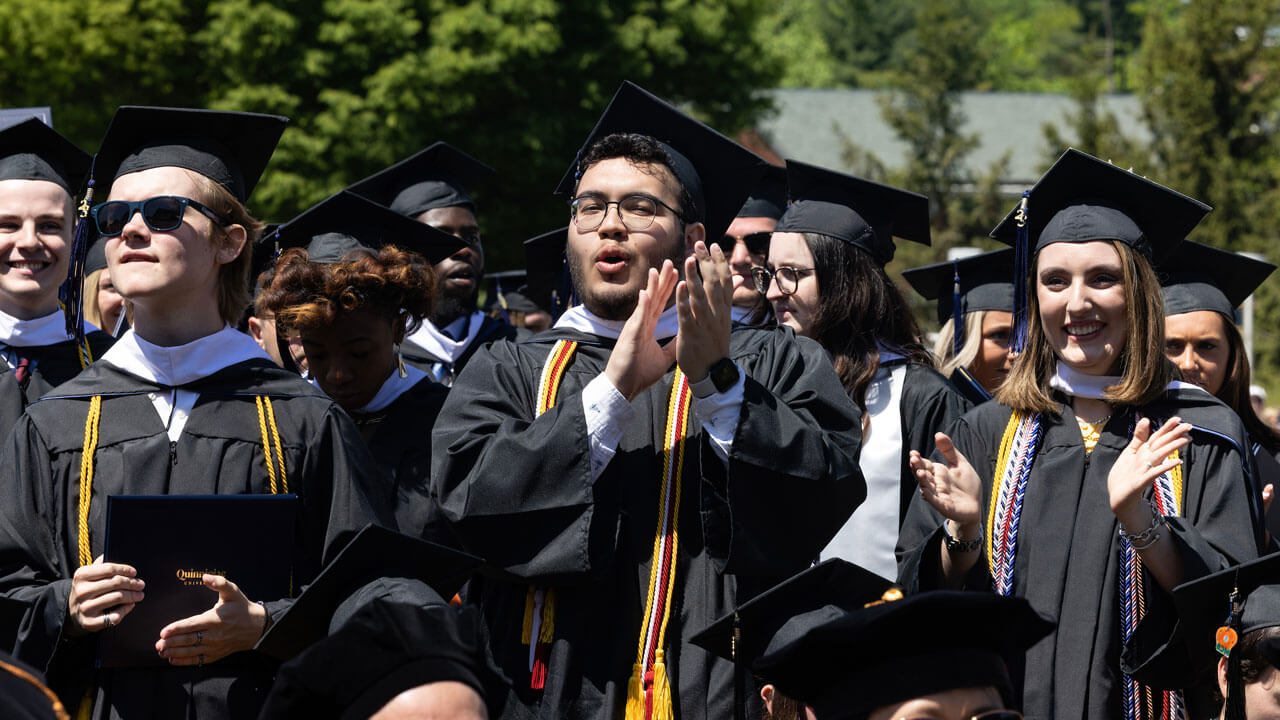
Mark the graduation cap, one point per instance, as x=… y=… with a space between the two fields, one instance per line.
x=847 y=664
x=769 y=196
x=549 y=284
x=32 y=150
x=1217 y=610
x=438 y=176
x=1199 y=277
x=507 y=290
x=375 y=552
x=1082 y=199
x=860 y=212
x=230 y=148
x=717 y=172
x=25 y=694
x=386 y=648
x=978 y=282
x=96 y=259
x=742 y=635
x=345 y=221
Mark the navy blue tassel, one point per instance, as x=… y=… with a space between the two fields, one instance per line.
x=1021 y=274
x=71 y=294
x=957 y=317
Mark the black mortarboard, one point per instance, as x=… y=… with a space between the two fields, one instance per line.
x=230 y=148
x=375 y=552
x=965 y=285
x=742 y=635
x=549 y=284
x=845 y=664
x=1082 y=198
x=439 y=176
x=860 y=212
x=96 y=259
x=508 y=290
x=769 y=196
x=1199 y=277
x=345 y=221
x=718 y=172
x=1217 y=610
x=386 y=648
x=32 y=150
x=25 y=694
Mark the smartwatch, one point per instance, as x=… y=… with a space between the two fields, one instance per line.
x=721 y=376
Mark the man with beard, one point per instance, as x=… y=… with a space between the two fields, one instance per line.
x=636 y=471
x=746 y=242
x=432 y=188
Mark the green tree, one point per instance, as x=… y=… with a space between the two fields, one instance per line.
x=1210 y=91
x=518 y=83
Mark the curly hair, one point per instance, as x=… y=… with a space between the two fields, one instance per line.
x=306 y=295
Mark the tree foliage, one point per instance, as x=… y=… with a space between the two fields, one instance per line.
x=518 y=83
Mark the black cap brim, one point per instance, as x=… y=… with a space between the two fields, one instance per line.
x=31 y=150
x=438 y=176
x=1199 y=277
x=986 y=282
x=344 y=222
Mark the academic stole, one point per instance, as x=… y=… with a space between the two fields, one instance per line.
x=84 y=555
x=1018 y=449
x=539 y=626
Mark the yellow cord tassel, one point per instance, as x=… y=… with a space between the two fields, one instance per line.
x=636 y=707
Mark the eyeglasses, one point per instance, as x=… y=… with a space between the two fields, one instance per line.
x=757 y=242
x=788 y=278
x=988 y=715
x=637 y=211
x=160 y=213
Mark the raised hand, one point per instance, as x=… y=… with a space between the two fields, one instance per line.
x=953 y=488
x=637 y=360
x=1140 y=463
x=704 y=304
x=101 y=594
x=233 y=624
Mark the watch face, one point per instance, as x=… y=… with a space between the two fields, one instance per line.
x=724 y=374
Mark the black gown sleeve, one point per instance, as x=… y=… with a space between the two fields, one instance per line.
x=930 y=404
x=793 y=478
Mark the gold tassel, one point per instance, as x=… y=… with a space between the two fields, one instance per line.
x=661 y=691
x=635 y=693
x=400 y=364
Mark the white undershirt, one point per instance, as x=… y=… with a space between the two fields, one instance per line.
x=608 y=414
x=180 y=365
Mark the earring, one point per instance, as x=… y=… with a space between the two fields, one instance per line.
x=400 y=363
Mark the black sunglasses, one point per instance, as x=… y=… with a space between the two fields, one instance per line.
x=757 y=242
x=161 y=213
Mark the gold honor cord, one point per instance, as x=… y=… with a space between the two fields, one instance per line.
x=539 y=625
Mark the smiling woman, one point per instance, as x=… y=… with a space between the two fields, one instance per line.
x=1114 y=483
x=181 y=404
x=39 y=172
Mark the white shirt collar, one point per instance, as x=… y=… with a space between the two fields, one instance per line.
x=1077 y=384
x=580 y=318
x=182 y=364
x=429 y=338
x=47 y=330
x=393 y=388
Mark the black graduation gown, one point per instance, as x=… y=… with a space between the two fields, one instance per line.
x=518 y=491
x=491 y=329
x=930 y=404
x=399 y=438
x=219 y=452
x=51 y=365
x=1068 y=560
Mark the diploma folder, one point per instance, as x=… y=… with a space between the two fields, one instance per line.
x=172 y=540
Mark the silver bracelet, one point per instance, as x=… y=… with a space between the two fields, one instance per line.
x=1148 y=537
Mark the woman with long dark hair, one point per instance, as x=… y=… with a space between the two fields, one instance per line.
x=826 y=281
x=1096 y=483
x=1202 y=288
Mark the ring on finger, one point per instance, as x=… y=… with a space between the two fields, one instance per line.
x=106 y=619
x=199 y=637
x=201 y=660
